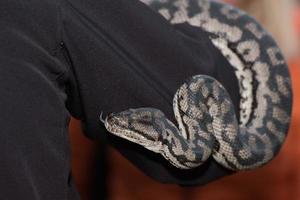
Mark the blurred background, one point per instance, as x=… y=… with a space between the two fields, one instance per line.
x=100 y=172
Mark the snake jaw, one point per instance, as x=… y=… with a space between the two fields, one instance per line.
x=119 y=125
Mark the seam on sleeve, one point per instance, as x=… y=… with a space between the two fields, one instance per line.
x=59 y=49
x=63 y=52
x=58 y=34
x=60 y=24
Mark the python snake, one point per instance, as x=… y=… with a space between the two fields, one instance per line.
x=207 y=124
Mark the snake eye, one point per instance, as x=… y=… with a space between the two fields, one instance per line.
x=117 y=120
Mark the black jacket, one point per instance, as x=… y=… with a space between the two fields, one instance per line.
x=63 y=58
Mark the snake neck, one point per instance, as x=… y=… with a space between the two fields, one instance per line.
x=191 y=144
x=180 y=152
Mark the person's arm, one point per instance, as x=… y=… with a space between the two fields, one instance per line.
x=124 y=55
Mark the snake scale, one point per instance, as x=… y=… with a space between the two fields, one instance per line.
x=206 y=121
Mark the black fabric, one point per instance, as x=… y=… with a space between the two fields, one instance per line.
x=63 y=58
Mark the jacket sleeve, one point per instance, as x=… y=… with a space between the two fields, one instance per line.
x=123 y=55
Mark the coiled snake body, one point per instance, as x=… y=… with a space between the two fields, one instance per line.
x=207 y=124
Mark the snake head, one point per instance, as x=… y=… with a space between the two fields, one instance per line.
x=136 y=125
